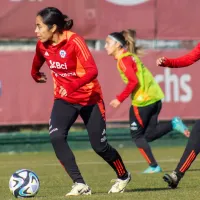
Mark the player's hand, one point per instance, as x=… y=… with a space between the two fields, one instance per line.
x=115 y=103
x=63 y=91
x=161 y=61
x=42 y=79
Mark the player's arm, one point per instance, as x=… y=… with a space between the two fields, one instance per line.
x=86 y=60
x=38 y=61
x=128 y=66
x=183 y=61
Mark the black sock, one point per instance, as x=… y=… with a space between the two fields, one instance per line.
x=154 y=165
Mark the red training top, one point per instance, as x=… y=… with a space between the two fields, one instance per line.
x=72 y=67
x=129 y=67
x=184 y=61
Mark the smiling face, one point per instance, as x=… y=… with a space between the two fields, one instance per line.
x=42 y=30
x=112 y=46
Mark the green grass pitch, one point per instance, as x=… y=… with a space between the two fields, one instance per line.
x=55 y=183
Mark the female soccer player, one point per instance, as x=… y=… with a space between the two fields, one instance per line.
x=145 y=93
x=77 y=92
x=192 y=148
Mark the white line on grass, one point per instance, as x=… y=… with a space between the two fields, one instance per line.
x=56 y=163
x=126 y=162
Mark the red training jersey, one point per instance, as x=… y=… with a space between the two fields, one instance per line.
x=72 y=67
x=185 y=60
x=129 y=67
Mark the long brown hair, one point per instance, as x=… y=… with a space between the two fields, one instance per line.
x=130 y=37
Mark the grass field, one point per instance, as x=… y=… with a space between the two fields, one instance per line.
x=55 y=183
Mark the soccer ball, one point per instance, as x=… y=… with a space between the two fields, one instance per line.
x=24 y=183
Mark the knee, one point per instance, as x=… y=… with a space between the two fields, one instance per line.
x=148 y=139
x=140 y=142
x=136 y=136
x=57 y=136
x=100 y=149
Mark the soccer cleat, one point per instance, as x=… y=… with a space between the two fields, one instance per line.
x=151 y=170
x=120 y=185
x=178 y=125
x=79 y=189
x=172 y=179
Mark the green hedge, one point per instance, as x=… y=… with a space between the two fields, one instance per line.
x=20 y=142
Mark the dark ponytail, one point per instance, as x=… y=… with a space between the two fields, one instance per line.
x=68 y=22
x=52 y=15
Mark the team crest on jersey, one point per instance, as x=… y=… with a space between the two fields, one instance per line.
x=63 y=53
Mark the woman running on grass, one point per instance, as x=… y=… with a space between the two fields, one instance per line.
x=146 y=96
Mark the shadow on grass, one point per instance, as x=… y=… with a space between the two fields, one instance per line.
x=147 y=189
x=139 y=190
x=193 y=170
x=189 y=170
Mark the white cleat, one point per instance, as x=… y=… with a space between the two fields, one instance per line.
x=79 y=189
x=120 y=185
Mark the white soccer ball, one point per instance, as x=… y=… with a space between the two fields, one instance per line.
x=24 y=183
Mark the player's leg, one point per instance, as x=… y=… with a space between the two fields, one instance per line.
x=94 y=119
x=189 y=155
x=139 y=119
x=62 y=117
x=154 y=129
